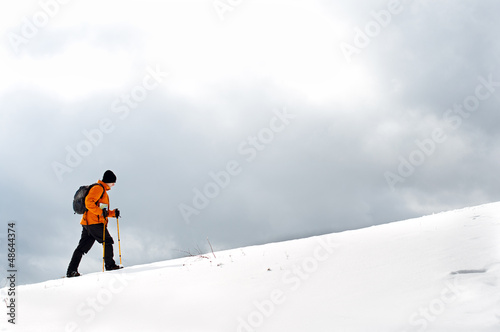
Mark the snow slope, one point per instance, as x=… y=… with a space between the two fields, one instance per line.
x=435 y=273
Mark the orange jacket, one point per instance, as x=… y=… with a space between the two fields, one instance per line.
x=92 y=203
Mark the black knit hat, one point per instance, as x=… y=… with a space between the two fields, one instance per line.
x=109 y=177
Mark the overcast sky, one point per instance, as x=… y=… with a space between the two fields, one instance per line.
x=244 y=122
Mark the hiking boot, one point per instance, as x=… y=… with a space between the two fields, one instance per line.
x=115 y=267
x=73 y=274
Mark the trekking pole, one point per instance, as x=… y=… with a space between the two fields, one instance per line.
x=103 y=244
x=119 y=247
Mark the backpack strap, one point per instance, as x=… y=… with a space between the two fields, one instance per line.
x=103 y=191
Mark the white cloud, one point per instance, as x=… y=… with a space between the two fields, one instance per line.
x=78 y=72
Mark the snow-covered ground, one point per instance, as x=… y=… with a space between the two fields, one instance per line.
x=435 y=273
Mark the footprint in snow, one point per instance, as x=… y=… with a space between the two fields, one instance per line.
x=469 y=271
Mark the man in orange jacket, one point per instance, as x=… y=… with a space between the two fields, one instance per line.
x=94 y=223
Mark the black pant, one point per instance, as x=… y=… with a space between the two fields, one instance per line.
x=90 y=234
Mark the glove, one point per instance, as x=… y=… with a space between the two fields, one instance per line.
x=105 y=213
x=117 y=213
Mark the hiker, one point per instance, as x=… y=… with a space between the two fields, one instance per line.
x=94 y=220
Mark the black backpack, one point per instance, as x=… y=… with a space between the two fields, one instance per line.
x=80 y=195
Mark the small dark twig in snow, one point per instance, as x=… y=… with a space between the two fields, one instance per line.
x=211 y=247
